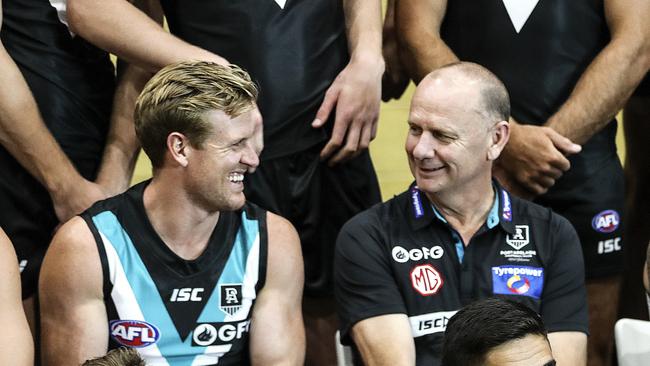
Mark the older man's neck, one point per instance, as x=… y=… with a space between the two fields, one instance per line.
x=465 y=208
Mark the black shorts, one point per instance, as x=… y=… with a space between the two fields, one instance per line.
x=27 y=216
x=317 y=200
x=595 y=207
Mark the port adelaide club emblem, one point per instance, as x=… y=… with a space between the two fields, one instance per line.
x=231 y=298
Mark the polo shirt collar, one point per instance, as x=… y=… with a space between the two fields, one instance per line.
x=422 y=212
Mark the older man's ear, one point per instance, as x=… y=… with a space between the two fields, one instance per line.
x=500 y=134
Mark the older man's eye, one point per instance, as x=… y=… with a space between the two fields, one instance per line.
x=414 y=130
x=444 y=138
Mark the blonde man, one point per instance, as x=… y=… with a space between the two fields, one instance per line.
x=16 y=346
x=181 y=267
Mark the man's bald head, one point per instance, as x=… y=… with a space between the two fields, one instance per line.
x=493 y=101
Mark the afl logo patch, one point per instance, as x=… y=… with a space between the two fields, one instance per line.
x=606 y=221
x=134 y=333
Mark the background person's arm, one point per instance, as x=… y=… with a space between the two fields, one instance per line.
x=25 y=136
x=418 y=31
x=16 y=345
x=122 y=29
x=277 y=332
x=612 y=76
x=356 y=91
x=385 y=340
x=74 y=326
x=122 y=146
x=569 y=348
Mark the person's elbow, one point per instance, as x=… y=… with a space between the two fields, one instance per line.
x=78 y=12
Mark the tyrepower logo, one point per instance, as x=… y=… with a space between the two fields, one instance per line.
x=401 y=255
x=134 y=333
x=518 y=280
x=606 y=221
x=426 y=280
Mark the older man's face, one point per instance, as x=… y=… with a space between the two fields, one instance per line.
x=448 y=139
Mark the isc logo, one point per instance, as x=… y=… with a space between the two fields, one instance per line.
x=606 y=221
x=134 y=333
x=186 y=294
x=609 y=246
x=426 y=280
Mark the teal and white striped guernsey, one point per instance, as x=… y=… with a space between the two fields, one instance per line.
x=173 y=311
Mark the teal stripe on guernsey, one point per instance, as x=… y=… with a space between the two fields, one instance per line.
x=170 y=345
x=234 y=270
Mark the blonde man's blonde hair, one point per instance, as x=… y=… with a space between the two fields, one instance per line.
x=118 y=357
x=177 y=98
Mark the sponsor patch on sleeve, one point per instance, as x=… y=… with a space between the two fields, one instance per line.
x=518 y=280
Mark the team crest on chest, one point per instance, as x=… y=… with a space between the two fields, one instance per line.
x=520 y=238
x=231 y=298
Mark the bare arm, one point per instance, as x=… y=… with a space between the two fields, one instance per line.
x=66 y=298
x=612 y=76
x=418 y=29
x=569 y=348
x=122 y=146
x=122 y=29
x=395 y=80
x=16 y=345
x=25 y=136
x=277 y=333
x=356 y=91
x=385 y=340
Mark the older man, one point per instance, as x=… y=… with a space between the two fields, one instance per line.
x=406 y=266
x=180 y=267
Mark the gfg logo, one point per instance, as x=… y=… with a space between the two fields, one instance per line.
x=401 y=255
x=134 y=333
x=606 y=221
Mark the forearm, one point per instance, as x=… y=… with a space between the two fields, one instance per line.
x=569 y=348
x=364 y=29
x=122 y=146
x=602 y=90
x=23 y=133
x=385 y=340
x=122 y=29
x=418 y=29
x=16 y=344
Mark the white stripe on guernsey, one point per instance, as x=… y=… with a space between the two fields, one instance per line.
x=251 y=276
x=61 y=7
x=430 y=323
x=125 y=303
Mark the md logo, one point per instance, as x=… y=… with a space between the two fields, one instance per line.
x=426 y=280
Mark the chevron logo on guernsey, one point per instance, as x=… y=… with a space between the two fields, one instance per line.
x=518 y=280
x=519 y=11
x=417 y=202
x=281 y=3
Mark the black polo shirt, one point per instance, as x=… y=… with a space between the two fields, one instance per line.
x=402 y=257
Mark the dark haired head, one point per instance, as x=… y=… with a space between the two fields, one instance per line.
x=485 y=324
